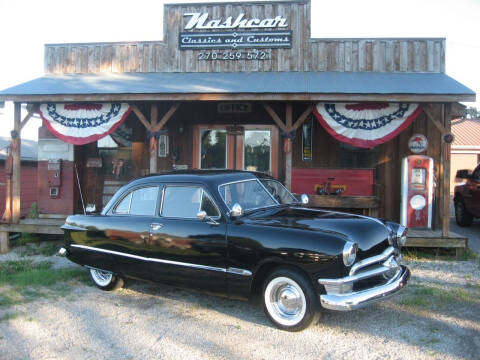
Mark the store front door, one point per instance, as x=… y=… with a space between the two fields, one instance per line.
x=246 y=147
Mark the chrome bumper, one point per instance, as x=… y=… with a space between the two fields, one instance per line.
x=355 y=300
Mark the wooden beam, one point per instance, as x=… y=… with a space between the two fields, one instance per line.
x=288 y=155
x=275 y=118
x=27 y=117
x=15 y=148
x=140 y=116
x=302 y=118
x=457 y=110
x=166 y=117
x=446 y=174
x=313 y=97
x=154 y=151
x=428 y=111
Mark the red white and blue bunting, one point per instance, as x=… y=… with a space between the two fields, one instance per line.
x=82 y=123
x=368 y=124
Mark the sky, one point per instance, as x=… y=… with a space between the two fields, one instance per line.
x=25 y=26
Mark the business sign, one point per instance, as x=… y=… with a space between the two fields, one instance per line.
x=235 y=40
x=307 y=139
x=200 y=21
x=237 y=37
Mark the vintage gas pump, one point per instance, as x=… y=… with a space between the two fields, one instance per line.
x=416 y=209
x=54 y=176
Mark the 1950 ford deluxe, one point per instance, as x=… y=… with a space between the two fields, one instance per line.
x=235 y=234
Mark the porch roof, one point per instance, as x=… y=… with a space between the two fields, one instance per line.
x=306 y=86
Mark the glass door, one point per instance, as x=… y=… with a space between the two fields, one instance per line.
x=246 y=147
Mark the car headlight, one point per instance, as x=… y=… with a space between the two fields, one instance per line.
x=402 y=235
x=349 y=253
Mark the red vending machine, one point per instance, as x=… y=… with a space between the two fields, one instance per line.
x=416 y=209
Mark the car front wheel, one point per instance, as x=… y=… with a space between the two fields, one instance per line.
x=289 y=300
x=106 y=280
x=462 y=216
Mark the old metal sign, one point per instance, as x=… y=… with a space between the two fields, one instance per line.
x=199 y=21
x=418 y=143
x=234 y=108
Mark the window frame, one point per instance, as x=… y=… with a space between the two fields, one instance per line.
x=245 y=180
x=130 y=192
x=203 y=191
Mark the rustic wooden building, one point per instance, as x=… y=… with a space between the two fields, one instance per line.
x=242 y=85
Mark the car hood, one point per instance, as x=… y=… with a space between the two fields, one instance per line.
x=365 y=231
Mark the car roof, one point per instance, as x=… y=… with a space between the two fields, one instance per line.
x=208 y=177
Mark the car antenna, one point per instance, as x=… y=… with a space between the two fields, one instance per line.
x=80 y=189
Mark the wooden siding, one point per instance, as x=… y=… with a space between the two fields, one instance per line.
x=28 y=187
x=306 y=54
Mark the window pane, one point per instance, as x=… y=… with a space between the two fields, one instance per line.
x=144 y=201
x=182 y=202
x=208 y=206
x=124 y=205
x=213 y=149
x=249 y=194
x=257 y=150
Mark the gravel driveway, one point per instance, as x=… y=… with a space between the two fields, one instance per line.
x=436 y=317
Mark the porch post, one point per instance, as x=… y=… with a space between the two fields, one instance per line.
x=447 y=122
x=154 y=150
x=288 y=154
x=16 y=163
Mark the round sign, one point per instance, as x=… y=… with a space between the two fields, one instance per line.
x=448 y=138
x=418 y=143
x=418 y=202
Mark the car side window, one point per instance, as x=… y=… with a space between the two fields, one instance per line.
x=181 y=201
x=476 y=174
x=124 y=206
x=141 y=201
x=144 y=201
x=209 y=207
x=186 y=202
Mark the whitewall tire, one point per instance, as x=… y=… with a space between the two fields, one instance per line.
x=106 y=280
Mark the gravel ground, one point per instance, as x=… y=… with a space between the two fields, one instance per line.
x=152 y=321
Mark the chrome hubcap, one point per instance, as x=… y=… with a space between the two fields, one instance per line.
x=102 y=278
x=285 y=301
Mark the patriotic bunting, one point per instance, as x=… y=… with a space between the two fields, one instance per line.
x=365 y=125
x=83 y=123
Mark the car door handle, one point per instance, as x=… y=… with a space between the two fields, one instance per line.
x=156 y=227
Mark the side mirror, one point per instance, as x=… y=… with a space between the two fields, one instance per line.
x=304 y=199
x=91 y=208
x=463 y=174
x=236 y=210
x=201 y=215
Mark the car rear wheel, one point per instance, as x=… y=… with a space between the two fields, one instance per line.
x=462 y=216
x=106 y=280
x=289 y=300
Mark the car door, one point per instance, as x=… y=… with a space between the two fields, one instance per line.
x=186 y=251
x=128 y=229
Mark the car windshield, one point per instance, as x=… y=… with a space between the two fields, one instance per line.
x=279 y=192
x=250 y=194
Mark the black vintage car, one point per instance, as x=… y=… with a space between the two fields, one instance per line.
x=235 y=233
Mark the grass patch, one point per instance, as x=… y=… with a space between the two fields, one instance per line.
x=23 y=281
x=445 y=254
x=11 y=316
x=424 y=296
x=43 y=248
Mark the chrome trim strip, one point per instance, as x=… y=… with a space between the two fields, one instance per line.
x=170 y=262
x=363 y=298
x=389 y=265
x=72 y=227
x=237 y=271
x=372 y=260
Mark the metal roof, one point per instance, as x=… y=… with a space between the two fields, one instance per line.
x=466 y=133
x=275 y=83
x=28 y=150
